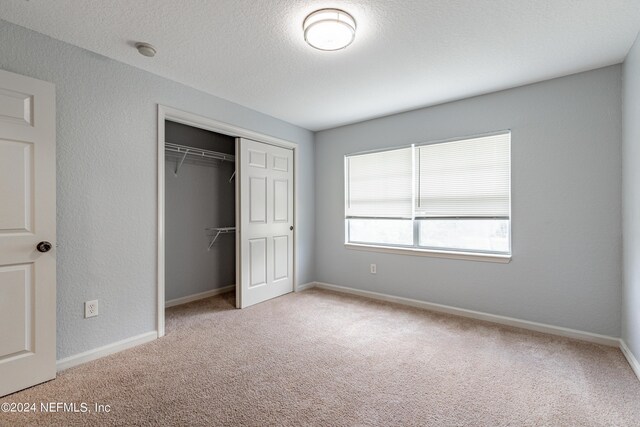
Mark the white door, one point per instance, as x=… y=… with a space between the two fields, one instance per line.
x=27 y=232
x=265 y=210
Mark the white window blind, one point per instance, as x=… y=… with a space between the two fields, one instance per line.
x=379 y=185
x=468 y=178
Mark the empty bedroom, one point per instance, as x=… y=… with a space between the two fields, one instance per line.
x=320 y=213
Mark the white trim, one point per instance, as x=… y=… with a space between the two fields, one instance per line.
x=296 y=175
x=305 y=286
x=160 y=295
x=207 y=123
x=470 y=256
x=503 y=320
x=97 y=353
x=198 y=296
x=195 y=120
x=635 y=365
x=238 y=154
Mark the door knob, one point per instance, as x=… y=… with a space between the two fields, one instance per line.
x=44 y=247
x=291 y=228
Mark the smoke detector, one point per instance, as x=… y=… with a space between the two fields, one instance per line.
x=146 y=49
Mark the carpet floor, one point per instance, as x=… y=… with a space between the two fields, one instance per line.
x=323 y=358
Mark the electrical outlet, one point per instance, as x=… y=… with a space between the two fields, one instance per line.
x=373 y=269
x=91 y=309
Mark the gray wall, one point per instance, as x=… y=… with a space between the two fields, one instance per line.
x=631 y=200
x=566 y=180
x=197 y=197
x=106 y=181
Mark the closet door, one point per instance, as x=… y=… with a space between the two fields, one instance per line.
x=265 y=210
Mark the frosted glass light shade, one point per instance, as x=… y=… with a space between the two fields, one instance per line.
x=329 y=29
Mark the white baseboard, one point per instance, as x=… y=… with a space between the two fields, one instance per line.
x=635 y=365
x=305 y=286
x=196 y=297
x=118 y=346
x=503 y=320
x=97 y=353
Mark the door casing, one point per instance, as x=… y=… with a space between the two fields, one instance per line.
x=195 y=120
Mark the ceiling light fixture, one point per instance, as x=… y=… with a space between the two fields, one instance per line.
x=146 y=49
x=329 y=29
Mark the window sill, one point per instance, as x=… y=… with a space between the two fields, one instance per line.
x=470 y=256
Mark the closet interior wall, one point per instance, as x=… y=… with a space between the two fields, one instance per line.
x=198 y=197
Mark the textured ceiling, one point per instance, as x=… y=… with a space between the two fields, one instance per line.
x=407 y=53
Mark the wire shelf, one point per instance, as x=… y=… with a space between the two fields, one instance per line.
x=182 y=151
x=218 y=231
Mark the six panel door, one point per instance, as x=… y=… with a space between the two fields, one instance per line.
x=265 y=210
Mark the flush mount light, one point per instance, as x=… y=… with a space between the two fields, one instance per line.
x=329 y=29
x=146 y=49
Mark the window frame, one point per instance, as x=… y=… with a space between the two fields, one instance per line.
x=416 y=249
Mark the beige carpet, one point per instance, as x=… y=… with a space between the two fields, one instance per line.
x=322 y=358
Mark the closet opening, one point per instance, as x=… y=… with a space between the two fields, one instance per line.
x=226 y=215
x=200 y=223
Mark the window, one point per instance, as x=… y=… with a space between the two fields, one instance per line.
x=448 y=196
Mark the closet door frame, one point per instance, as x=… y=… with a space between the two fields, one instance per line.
x=195 y=120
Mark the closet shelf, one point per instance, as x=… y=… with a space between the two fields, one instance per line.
x=182 y=151
x=218 y=231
